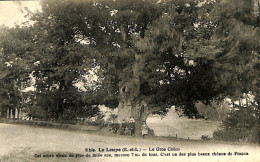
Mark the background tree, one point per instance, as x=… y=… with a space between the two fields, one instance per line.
x=15 y=58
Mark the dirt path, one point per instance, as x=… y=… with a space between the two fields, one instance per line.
x=18 y=142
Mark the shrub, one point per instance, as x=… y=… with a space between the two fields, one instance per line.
x=230 y=135
x=241 y=124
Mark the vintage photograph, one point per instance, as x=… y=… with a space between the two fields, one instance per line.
x=129 y=80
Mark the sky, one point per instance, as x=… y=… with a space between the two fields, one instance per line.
x=13 y=12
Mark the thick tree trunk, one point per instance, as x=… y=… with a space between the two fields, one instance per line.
x=139 y=111
x=131 y=103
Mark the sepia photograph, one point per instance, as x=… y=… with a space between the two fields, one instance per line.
x=129 y=80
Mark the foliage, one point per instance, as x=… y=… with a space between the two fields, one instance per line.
x=214 y=111
x=241 y=124
x=236 y=65
x=113 y=40
x=15 y=55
